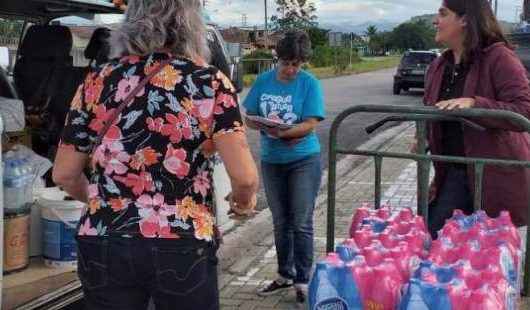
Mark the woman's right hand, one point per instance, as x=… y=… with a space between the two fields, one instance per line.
x=241 y=168
x=240 y=208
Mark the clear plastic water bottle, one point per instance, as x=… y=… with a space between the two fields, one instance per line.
x=322 y=293
x=347 y=250
x=18 y=182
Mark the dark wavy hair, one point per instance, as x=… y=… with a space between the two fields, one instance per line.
x=295 y=45
x=482 y=27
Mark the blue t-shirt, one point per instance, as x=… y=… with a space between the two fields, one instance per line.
x=291 y=103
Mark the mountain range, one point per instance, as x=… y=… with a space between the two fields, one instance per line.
x=381 y=25
x=384 y=25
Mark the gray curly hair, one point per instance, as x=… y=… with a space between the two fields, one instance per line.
x=151 y=25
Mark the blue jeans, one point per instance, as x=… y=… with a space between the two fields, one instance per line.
x=291 y=191
x=119 y=273
x=454 y=194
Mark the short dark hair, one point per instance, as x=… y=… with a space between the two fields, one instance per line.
x=482 y=27
x=295 y=45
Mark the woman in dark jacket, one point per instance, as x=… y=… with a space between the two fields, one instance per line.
x=479 y=70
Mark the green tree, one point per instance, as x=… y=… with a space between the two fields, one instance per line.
x=381 y=43
x=371 y=31
x=319 y=36
x=417 y=35
x=10 y=28
x=294 y=14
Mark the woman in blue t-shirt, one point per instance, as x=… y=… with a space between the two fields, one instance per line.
x=290 y=157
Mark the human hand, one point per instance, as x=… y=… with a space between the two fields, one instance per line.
x=460 y=103
x=240 y=210
x=273 y=131
x=253 y=125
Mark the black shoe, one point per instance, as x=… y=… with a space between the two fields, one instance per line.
x=276 y=286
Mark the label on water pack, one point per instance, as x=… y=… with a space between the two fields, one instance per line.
x=334 y=303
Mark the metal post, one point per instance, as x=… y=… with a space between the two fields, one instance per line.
x=378 y=161
x=423 y=168
x=332 y=174
x=479 y=173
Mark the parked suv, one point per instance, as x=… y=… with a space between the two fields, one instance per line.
x=411 y=71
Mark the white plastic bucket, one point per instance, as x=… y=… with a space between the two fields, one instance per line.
x=59 y=227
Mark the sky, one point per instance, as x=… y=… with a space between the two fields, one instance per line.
x=230 y=12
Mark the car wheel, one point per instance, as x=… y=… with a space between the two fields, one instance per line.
x=405 y=88
x=397 y=89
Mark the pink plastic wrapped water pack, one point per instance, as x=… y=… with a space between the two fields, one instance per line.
x=390 y=246
x=474 y=264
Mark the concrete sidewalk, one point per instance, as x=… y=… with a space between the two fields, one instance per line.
x=248 y=256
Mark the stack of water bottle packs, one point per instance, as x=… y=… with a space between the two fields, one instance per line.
x=474 y=264
x=390 y=263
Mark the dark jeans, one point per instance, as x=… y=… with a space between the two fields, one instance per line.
x=291 y=191
x=454 y=194
x=119 y=273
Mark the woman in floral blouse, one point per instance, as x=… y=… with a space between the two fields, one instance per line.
x=149 y=226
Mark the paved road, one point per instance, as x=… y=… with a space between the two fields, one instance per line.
x=341 y=93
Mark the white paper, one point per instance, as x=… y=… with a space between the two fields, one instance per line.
x=269 y=122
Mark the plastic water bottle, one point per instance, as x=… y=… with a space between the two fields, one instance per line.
x=413 y=298
x=359 y=215
x=348 y=288
x=383 y=213
x=377 y=224
x=347 y=250
x=425 y=291
x=386 y=294
x=406 y=215
x=18 y=177
x=322 y=293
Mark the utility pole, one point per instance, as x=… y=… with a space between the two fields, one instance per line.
x=351 y=48
x=266 y=26
x=244 y=19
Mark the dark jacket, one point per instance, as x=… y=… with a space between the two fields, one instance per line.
x=497 y=80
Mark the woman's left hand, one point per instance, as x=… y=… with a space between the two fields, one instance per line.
x=273 y=131
x=280 y=134
x=460 y=103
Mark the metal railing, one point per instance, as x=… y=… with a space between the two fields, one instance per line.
x=258 y=65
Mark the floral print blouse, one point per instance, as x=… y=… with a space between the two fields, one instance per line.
x=152 y=173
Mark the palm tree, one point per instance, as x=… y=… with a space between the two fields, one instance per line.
x=371 y=31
